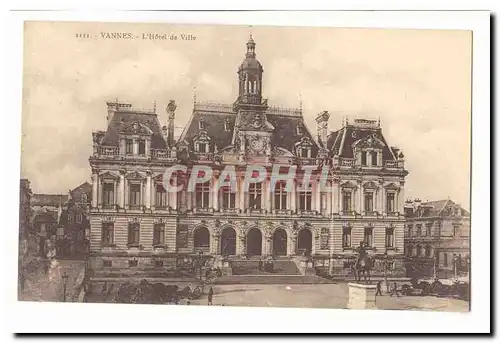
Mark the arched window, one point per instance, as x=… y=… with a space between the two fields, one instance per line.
x=201 y=238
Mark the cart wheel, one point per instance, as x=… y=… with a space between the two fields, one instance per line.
x=437 y=287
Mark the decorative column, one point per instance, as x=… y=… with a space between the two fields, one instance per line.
x=215 y=241
x=242 y=194
x=148 y=190
x=293 y=195
x=135 y=146
x=215 y=193
x=99 y=192
x=121 y=190
x=240 y=240
x=401 y=197
x=360 y=197
x=95 y=182
x=125 y=192
x=317 y=195
x=268 y=193
x=381 y=206
x=174 y=201
x=335 y=195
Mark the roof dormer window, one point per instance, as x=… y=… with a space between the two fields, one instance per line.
x=202 y=147
x=226 y=125
x=299 y=130
x=201 y=124
x=129 y=146
x=305 y=152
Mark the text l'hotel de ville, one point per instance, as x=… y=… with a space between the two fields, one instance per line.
x=160 y=36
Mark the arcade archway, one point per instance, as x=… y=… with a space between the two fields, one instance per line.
x=279 y=242
x=254 y=242
x=228 y=241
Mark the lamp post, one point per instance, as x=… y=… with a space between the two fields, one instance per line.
x=65 y=282
x=200 y=259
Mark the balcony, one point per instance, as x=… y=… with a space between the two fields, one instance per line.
x=230 y=210
x=348 y=213
x=394 y=164
x=108 y=151
x=203 y=210
x=111 y=152
x=308 y=213
x=204 y=156
x=163 y=154
x=371 y=213
x=347 y=162
x=393 y=214
x=282 y=211
x=109 y=206
x=136 y=207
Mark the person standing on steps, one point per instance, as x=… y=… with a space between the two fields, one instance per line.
x=379 y=288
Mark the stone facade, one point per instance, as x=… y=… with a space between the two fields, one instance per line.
x=135 y=223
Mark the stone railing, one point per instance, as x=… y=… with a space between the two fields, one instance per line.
x=347 y=162
x=108 y=151
x=204 y=156
x=162 y=154
x=394 y=164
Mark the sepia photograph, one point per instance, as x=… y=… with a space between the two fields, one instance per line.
x=245 y=166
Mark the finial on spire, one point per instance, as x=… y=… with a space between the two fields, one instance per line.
x=154 y=106
x=300 y=102
x=194 y=94
x=346 y=120
x=379 y=121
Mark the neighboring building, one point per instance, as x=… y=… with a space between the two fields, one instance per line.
x=24 y=215
x=437 y=235
x=75 y=221
x=136 y=224
x=46 y=211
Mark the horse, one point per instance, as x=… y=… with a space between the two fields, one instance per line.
x=364 y=264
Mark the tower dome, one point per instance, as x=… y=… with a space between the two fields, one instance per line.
x=250 y=76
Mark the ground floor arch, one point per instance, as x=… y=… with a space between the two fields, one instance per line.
x=304 y=242
x=228 y=241
x=254 y=242
x=201 y=238
x=280 y=242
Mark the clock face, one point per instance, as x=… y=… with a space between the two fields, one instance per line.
x=257 y=144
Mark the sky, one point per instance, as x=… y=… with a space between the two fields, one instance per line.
x=418 y=82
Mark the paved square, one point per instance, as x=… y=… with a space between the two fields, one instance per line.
x=320 y=296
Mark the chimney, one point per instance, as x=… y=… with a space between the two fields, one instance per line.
x=322 y=121
x=171 y=107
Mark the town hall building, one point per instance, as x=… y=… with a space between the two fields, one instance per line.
x=136 y=223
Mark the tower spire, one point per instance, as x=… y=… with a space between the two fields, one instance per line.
x=194 y=94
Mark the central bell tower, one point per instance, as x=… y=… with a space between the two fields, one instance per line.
x=252 y=130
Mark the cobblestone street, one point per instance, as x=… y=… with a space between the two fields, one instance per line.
x=41 y=286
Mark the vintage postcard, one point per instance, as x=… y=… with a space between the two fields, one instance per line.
x=217 y=165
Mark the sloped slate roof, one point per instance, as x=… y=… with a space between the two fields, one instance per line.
x=347 y=138
x=48 y=199
x=285 y=134
x=213 y=126
x=148 y=119
x=333 y=141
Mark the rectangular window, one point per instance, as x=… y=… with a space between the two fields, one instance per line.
x=133 y=234
x=374 y=158
x=79 y=218
x=368 y=238
x=419 y=230
x=70 y=218
x=158 y=263
x=129 y=146
x=202 y=147
x=368 y=202
x=410 y=230
x=108 y=196
x=159 y=234
x=280 y=196
x=428 y=229
x=255 y=194
x=107 y=263
x=346 y=237
x=202 y=195
x=346 y=202
x=305 y=198
x=108 y=234
x=445 y=259
x=142 y=147
x=161 y=196
x=363 y=158
x=390 y=202
x=228 y=198
x=389 y=237
x=304 y=152
x=456 y=230
x=135 y=195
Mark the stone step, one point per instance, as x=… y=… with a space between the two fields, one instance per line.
x=268 y=279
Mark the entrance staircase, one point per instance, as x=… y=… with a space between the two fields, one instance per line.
x=282 y=266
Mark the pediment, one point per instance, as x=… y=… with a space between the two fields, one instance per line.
x=348 y=184
x=108 y=176
x=304 y=141
x=371 y=141
x=135 y=128
x=203 y=137
x=135 y=176
x=370 y=185
x=392 y=186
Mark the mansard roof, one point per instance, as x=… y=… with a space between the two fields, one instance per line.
x=438 y=208
x=123 y=119
x=351 y=134
x=285 y=122
x=49 y=199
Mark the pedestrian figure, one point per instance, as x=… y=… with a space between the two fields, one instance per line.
x=395 y=290
x=210 y=295
x=379 y=288
x=46 y=265
x=260 y=264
